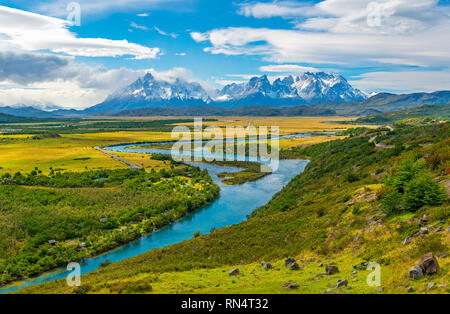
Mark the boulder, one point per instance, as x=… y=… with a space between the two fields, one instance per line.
x=289 y=261
x=341 y=283
x=407 y=241
x=430 y=286
x=266 y=266
x=415 y=272
x=429 y=264
x=331 y=269
x=438 y=229
x=411 y=290
x=233 y=272
x=294 y=266
x=423 y=231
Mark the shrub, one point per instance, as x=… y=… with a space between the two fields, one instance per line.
x=423 y=190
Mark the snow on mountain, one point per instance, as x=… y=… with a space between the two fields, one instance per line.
x=155 y=93
x=310 y=87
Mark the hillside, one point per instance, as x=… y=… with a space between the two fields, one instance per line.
x=385 y=102
x=425 y=111
x=6 y=118
x=254 y=111
x=357 y=202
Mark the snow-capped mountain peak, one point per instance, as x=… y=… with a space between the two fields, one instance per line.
x=309 y=87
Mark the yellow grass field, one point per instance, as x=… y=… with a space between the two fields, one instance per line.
x=75 y=152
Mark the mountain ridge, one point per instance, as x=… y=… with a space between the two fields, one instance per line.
x=289 y=91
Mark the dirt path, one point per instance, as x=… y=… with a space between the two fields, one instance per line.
x=130 y=164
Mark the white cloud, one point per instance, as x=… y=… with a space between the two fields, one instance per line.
x=29 y=31
x=182 y=54
x=161 y=32
x=134 y=25
x=403 y=81
x=275 y=9
x=353 y=16
x=59 y=7
x=287 y=68
x=429 y=47
x=36 y=78
x=143 y=14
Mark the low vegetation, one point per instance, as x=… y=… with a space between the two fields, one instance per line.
x=333 y=212
x=49 y=220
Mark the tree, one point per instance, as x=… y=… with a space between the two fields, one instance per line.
x=423 y=190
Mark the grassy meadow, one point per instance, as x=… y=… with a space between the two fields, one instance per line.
x=355 y=203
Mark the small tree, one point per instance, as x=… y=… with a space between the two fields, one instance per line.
x=423 y=190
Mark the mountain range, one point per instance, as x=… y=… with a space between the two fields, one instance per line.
x=326 y=91
x=149 y=92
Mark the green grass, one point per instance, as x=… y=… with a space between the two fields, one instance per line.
x=320 y=214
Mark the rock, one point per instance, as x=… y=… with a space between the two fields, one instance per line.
x=320 y=265
x=319 y=275
x=438 y=229
x=289 y=261
x=448 y=229
x=341 y=283
x=415 y=272
x=293 y=286
x=328 y=291
x=430 y=286
x=331 y=269
x=356 y=238
x=442 y=286
x=407 y=241
x=354 y=272
x=429 y=264
x=381 y=290
x=423 y=230
x=233 y=272
x=424 y=220
x=411 y=290
x=266 y=266
x=357 y=267
x=442 y=255
x=294 y=266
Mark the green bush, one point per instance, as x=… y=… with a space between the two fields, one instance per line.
x=423 y=190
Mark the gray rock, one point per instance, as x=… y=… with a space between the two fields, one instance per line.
x=331 y=269
x=415 y=272
x=293 y=286
x=234 y=272
x=341 y=283
x=328 y=291
x=354 y=272
x=289 y=261
x=294 y=266
x=423 y=230
x=407 y=241
x=438 y=229
x=411 y=290
x=429 y=264
x=266 y=266
x=430 y=286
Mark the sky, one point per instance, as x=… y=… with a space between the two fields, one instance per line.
x=74 y=54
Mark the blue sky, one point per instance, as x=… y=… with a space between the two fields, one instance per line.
x=384 y=45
